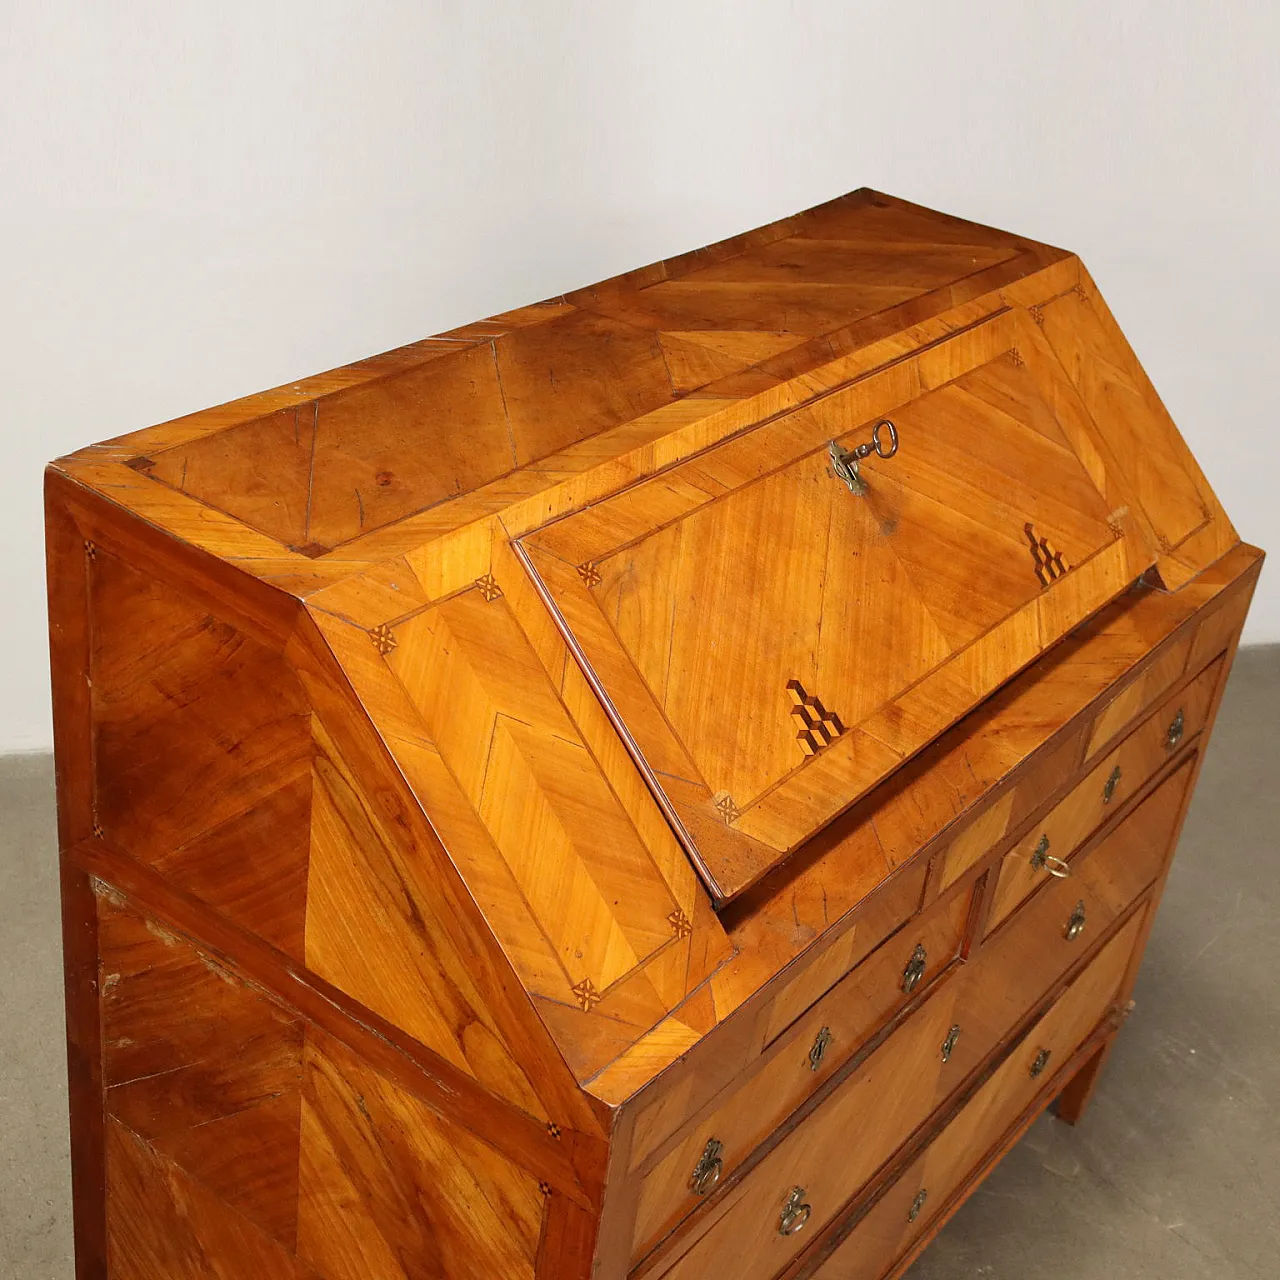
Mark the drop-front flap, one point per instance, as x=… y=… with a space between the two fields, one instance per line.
x=778 y=623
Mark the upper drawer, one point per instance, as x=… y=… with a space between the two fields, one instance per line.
x=773 y=637
x=1043 y=852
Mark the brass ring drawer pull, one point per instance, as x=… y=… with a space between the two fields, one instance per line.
x=821 y=1043
x=795 y=1213
x=1177 y=727
x=917 y=1204
x=914 y=971
x=844 y=462
x=1076 y=922
x=706 y=1173
x=1043 y=860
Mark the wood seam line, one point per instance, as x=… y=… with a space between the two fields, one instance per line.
x=454 y=1096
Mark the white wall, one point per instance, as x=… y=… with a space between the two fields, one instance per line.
x=201 y=200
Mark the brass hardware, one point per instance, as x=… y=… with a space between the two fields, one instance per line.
x=914 y=971
x=1043 y=860
x=819 y=1051
x=1042 y=1061
x=949 y=1044
x=1113 y=781
x=1076 y=922
x=1173 y=735
x=706 y=1173
x=795 y=1213
x=1041 y=850
x=917 y=1204
x=844 y=462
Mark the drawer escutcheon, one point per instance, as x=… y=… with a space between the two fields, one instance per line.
x=1042 y=1061
x=795 y=1213
x=1113 y=781
x=917 y=1204
x=914 y=971
x=706 y=1173
x=949 y=1044
x=821 y=1043
x=1177 y=727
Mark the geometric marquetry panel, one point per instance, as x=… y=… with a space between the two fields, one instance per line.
x=728 y=604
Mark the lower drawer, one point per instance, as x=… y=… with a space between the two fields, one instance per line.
x=766 y=1220
x=796 y=1065
x=932 y=1181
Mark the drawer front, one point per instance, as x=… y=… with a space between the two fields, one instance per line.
x=1009 y=974
x=773 y=1213
x=1139 y=695
x=910 y=1206
x=797 y=1064
x=1042 y=941
x=889 y=910
x=1039 y=856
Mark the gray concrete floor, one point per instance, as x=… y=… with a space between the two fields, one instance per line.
x=1174 y=1173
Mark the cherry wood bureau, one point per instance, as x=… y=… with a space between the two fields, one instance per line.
x=664 y=783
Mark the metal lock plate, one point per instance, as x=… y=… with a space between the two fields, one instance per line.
x=1177 y=727
x=917 y=1204
x=706 y=1173
x=914 y=971
x=1113 y=781
x=844 y=462
x=821 y=1043
x=949 y=1044
x=1042 y=1061
x=1076 y=922
x=795 y=1213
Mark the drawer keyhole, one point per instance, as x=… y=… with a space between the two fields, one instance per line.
x=1042 y=1061
x=914 y=971
x=1177 y=727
